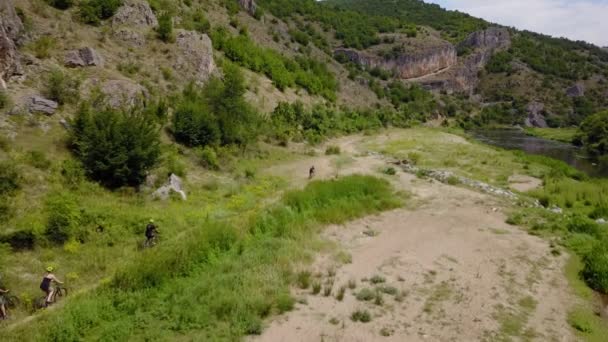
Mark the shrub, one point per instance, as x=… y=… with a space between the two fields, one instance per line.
x=582 y=224
x=62 y=88
x=377 y=279
x=72 y=172
x=61 y=4
x=593 y=134
x=362 y=316
x=94 y=11
x=332 y=150
x=9 y=178
x=5 y=99
x=116 y=147
x=20 y=240
x=365 y=294
x=303 y=279
x=43 y=46
x=390 y=171
x=38 y=160
x=63 y=218
x=285 y=303
x=208 y=158
x=165 y=28
x=595 y=271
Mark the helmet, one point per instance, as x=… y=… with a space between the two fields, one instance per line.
x=50 y=269
x=151 y=220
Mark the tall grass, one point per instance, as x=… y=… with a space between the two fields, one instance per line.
x=217 y=281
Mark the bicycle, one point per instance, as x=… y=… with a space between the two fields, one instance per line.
x=59 y=291
x=149 y=243
x=10 y=302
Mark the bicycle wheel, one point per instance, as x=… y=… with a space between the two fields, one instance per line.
x=12 y=301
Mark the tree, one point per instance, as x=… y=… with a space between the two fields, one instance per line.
x=116 y=147
x=594 y=134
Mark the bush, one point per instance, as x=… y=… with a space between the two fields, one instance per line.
x=116 y=148
x=332 y=150
x=63 y=218
x=20 y=240
x=62 y=88
x=595 y=271
x=73 y=173
x=94 y=11
x=362 y=316
x=593 y=134
x=9 y=178
x=366 y=294
x=5 y=99
x=165 y=28
x=43 y=46
x=38 y=160
x=61 y=4
x=208 y=158
x=582 y=224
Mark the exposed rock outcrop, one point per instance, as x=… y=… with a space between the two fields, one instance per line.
x=10 y=32
x=132 y=21
x=123 y=93
x=535 y=117
x=135 y=13
x=406 y=66
x=83 y=57
x=249 y=6
x=173 y=184
x=576 y=90
x=194 y=55
x=463 y=78
x=38 y=104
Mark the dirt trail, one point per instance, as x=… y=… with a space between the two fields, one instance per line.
x=460 y=272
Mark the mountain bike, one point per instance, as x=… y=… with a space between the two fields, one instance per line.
x=60 y=292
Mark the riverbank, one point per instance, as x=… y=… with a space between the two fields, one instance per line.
x=558 y=134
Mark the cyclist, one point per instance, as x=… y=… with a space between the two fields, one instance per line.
x=151 y=231
x=46 y=285
x=3 y=302
x=311 y=172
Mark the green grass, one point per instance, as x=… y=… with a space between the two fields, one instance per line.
x=558 y=134
x=218 y=278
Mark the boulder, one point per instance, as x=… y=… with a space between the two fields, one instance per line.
x=576 y=90
x=600 y=221
x=130 y=37
x=535 y=115
x=136 y=13
x=248 y=5
x=10 y=32
x=194 y=55
x=83 y=57
x=173 y=184
x=123 y=93
x=38 y=104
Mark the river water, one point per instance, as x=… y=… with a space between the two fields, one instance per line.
x=516 y=139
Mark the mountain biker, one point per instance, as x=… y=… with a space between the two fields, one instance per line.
x=311 y=172
x=46 y=284
x=3 y=313
x=151 y=231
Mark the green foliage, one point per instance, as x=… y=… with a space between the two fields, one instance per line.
x=595 y=271
x=594 y=134
x=500 y=62
x=63 y=218
x=362 y=316
x=366 y=294
x=208 y=158
x=284 y=72
x=115 y=147
x=94 y=11
x=62 y=88
x=197 y=21
x=9 y=178
x=42 y=47
x=165 y=28
x=5 y=100
x=73 y=173
x=38 y=160
x=332 y=149
x=61 y=4
x=216 y=114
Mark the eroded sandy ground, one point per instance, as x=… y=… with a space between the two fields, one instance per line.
x=447 y=269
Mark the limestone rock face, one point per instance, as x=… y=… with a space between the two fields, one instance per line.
x=535 y=115
x=248 y=5
x=406 y=66
x=132 y=21
x=194 y=56
x=83 y=57
x=38 y=104
x=576 y=90
x=135 y=13
x=123 y=93
x=10 y=31
x=491 y=38
x=173 y=184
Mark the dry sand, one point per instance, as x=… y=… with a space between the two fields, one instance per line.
x=461 y=272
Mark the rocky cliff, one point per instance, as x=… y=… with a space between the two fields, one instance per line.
x=406 y=66
x=464 y=77
x=10 y=32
